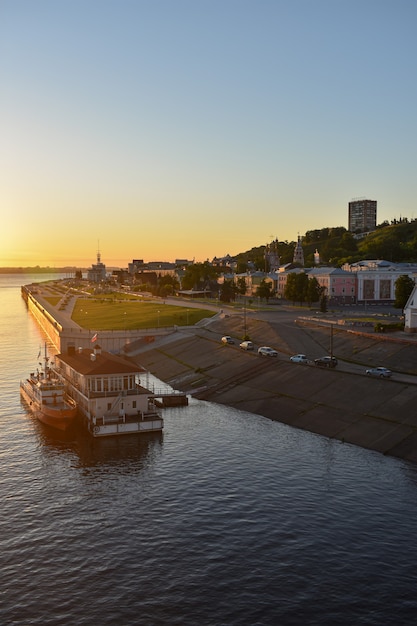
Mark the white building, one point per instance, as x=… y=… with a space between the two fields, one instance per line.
x=376 y=279
x=107 y=390
x=410 y=313
x=97 y=272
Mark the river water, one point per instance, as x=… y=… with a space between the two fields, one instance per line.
x=226 y=518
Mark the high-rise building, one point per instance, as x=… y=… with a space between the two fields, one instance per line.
x=362 y=215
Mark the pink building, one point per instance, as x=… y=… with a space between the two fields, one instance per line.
x=339 y=286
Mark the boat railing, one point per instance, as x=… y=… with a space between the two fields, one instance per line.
x=140 y=416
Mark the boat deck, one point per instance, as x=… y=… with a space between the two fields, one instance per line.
x=105 y=427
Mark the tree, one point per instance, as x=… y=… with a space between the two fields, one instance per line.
x=296 y=287
x=264 y=290
x=241 y=286
x=227 y=291
x=404 y=285
x=314 y=290
x=165 y=290
x=197 y=274
x=290 y=291
x=167 y=285
x=302 y=281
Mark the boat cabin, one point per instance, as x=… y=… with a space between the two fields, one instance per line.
x=107 y=390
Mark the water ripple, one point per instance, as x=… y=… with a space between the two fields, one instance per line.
x=224 y=519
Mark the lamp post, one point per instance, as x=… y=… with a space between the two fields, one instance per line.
x=331 y=340
x=158 y=318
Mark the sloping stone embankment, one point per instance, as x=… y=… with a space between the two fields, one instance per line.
x=371 y=413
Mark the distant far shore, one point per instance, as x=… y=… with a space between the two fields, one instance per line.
x=40 y=270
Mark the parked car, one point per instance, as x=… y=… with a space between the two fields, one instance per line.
x=381 y=372
x=227 y=339
x=246 y=345
x=326 y=361
x=299 y=358
x=267 y=351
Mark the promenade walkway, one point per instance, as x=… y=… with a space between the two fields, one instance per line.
x=56 y=304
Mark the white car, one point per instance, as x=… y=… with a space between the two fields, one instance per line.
x=267 y=351
x=246 y=345
x=381 y=372
x=299 y=358
x=227 y=339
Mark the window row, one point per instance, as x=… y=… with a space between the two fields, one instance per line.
x=112 y=384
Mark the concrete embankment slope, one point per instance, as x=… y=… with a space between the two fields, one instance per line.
x=371 y=413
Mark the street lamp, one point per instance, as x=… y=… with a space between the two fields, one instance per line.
x=158 y=318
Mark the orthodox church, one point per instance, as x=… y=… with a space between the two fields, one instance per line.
x=298 y=253
x=272 y=260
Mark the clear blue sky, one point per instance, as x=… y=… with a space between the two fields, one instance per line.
x=190 y=129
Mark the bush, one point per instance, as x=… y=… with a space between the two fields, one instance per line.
x=386 y=328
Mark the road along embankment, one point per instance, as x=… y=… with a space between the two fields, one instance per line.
x=352 y=408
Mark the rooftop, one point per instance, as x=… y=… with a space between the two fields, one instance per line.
x=97 y=362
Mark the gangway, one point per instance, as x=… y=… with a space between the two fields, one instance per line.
x=165 y=397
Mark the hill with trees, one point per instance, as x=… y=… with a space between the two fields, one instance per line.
x=396 y=242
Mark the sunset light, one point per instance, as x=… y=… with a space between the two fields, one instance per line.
x=192 y=131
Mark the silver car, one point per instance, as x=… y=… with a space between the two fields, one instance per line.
x=299 y=358
x=267 y=351
x=380 y=372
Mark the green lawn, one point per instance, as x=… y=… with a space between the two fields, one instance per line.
x=130 y=315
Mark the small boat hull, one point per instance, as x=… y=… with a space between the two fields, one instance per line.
x=60 y=416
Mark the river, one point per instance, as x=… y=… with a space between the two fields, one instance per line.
x=226 y=518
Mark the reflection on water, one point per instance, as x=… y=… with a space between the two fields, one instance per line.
x=126 y=454
x=225 y=518
x=129 y=454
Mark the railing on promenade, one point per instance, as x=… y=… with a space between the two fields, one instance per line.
x=111 y=340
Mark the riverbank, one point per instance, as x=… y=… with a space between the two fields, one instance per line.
x=342 y=404
x=350 y=407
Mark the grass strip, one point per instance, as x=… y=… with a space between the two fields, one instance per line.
x=100 y=314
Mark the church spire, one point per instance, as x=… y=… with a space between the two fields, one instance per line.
x=298 y=253
x=272 y=260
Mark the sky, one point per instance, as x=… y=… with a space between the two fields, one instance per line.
x=167 y=129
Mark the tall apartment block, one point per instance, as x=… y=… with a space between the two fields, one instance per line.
x=362 y=215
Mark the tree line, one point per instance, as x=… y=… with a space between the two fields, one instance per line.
x=396 y=242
